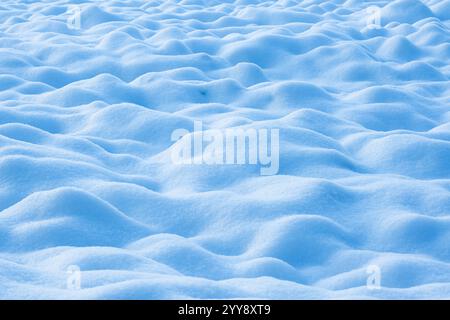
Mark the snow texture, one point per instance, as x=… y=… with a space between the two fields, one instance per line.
x=90 y=92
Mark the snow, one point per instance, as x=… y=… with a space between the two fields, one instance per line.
x=91 y=92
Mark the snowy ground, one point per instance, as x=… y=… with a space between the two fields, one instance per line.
x=93 y=207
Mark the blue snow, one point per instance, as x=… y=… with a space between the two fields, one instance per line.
x=92 y=207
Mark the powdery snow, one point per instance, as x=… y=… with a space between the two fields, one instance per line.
x=90 y=92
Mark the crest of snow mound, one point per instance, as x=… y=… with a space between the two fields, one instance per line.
x=93 y=15
x=405 y=11
x=442 y=10
x=65 y=217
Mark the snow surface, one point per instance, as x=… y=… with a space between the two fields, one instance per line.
x=86 y=179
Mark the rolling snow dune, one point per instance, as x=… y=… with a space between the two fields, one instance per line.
x=91 y=91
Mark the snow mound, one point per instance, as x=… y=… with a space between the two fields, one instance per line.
x=91 y=92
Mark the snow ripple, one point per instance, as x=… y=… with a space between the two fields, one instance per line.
x=86 y=179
